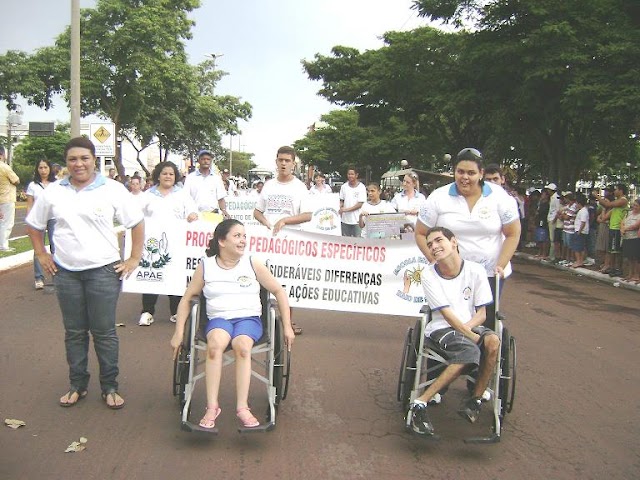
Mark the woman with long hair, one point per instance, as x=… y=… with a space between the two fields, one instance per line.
x=230 y=281
x=43 y=175
x=409 y=200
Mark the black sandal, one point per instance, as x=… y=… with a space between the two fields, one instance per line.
x=115 y=406
x=81 y=394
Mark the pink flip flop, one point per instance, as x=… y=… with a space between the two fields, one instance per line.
x=210 y=422
x=246 y=417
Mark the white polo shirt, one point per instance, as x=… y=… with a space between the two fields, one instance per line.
x=479 y=231
x=402 y=203
x=315 y=191
x=84 y=235
x=177 y=204
x=351 y=196
x=464 y=294
x=205 y=190
x=282 y=199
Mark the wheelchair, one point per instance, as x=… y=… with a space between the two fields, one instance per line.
x=271 y=364
x=420 y=366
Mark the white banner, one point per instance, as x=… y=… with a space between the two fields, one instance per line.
x=318 y=271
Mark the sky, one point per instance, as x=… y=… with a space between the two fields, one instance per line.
x=260 y=44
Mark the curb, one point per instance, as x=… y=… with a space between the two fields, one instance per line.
x=581 y=272
x=13 y=261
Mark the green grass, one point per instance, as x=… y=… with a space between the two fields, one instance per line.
x=21 y=245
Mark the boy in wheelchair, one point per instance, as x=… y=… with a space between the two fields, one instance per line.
x=457 y=292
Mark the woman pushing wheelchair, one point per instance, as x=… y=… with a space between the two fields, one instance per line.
x=230 y=282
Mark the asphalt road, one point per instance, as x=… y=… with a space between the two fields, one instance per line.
x=576 y=415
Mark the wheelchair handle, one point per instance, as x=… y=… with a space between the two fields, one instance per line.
x=497 y=296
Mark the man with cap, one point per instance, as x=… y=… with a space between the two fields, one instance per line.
x=8 y=182
x=552 y=216
x=205 y=186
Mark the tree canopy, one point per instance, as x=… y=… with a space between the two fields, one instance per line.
x=545 y=87
x=134 y=72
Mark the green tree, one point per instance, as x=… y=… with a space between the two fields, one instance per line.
x=33 y=149
x=242 y=163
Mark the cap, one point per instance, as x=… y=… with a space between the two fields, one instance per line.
x=471 y=154
x=204 y=152
x=567 y=193
x=551 y=186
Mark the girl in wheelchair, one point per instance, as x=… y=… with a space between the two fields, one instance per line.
x=230 y=281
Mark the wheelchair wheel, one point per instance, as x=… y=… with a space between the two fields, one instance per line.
x=508 y=373
x=407 y=374
x=281 y=364
x=181 y=375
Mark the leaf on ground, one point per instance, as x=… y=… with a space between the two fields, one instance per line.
x=13 y=423
x=77 y=446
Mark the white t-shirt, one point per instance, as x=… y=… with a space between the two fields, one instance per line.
x=464 y=294
x=479 y=231
x=582 y=217
x=325 y=189
x=279 y=200
x=402 y=203
x=351 y=196
x=177 y=204
x=85 y=238
x=382 y=207
x=34 y=190
x=205 y=190
x=232 y=293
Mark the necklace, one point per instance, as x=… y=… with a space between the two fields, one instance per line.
x=224 y=265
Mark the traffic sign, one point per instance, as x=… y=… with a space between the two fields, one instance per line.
x=104 y=139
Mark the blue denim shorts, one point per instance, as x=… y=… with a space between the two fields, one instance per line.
x=249 y=326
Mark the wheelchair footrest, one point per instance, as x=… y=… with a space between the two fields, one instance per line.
x=262 y=428
x=194 y=427
x=494 y=438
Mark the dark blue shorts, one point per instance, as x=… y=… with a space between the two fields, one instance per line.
x=249 y=326
x=578 y=242
x=455 y=347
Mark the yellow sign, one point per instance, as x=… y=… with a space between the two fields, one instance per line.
x=102 y=134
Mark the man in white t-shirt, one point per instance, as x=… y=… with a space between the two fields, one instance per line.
x=457 y=291
x=353 y=194
x=373 y=205
x=205 y=186
x=282 y=200
x=229 y=185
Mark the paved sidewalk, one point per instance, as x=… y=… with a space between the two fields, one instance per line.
x=585 y=272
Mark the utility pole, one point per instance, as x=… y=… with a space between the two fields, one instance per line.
x=230 y=154
x=75 y=68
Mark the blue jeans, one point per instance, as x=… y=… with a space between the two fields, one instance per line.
x=38 y=274
x=88 y=303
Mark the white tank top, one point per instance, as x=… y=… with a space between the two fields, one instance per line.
x=233 y=293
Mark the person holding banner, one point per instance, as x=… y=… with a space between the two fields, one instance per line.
x=230 y=281
x=87 y=268
x=483 y=215
x=353 y=195
x=373 y=205
x=165 y=202
x=281 y=201
x=319 y=186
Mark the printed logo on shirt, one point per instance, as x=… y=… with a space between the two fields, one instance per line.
x=466 y=293
x=244 y=281
x=484 y=213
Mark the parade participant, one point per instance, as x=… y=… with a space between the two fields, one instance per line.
x=86 y=265
x=319 y=185
x=43 y=176
x=373 y=205
x=353 y=194
x=282 y=200
x=409 y=201
x=205 y=186
x=229 y=185
x=458 y=292
x=165 y=202
x=485 y=217
x=230 y=281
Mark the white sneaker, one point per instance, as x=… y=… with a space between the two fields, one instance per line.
x=39 y=284
x=435 y=400
x=486 y=396
x=146 y=319
x=173 y=318
x=589 y=262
